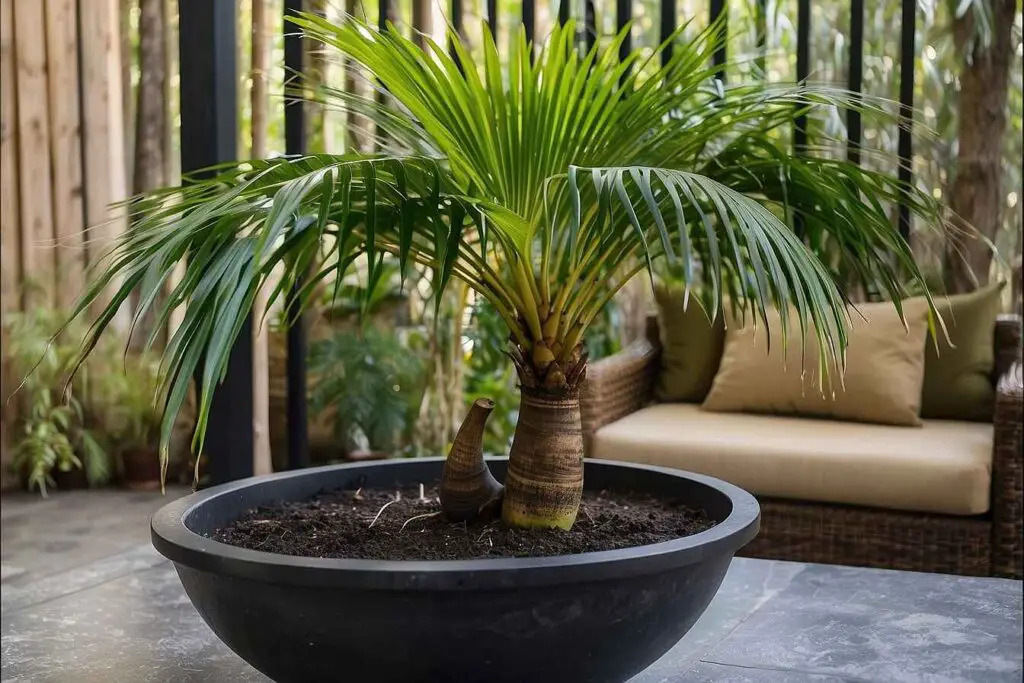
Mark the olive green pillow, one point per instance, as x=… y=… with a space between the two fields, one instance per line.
x=881 y=385
x=691 y=347
x=958 y=377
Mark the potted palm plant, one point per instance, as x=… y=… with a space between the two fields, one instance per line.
x=545 y=182
x=366 y=381
x=124 y=406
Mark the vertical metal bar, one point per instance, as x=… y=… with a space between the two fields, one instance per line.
x=854 y=127
x=295 y=143
x=457 y=16
x=803 y=66
x=590 y=24
x=718 y=12
x=761 y=21
x=383 y=17
x=492 y=17
x=623 y=13
x=908 y=29
x=457 y=26
x=294 y=111
x=209 y=135
x=803 y=63
x=529 y=20
x=668 y=25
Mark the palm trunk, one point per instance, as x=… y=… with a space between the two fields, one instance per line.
x=544 y=483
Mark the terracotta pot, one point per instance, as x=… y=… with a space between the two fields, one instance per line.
x=141 y=468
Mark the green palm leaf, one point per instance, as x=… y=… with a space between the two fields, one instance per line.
x=544 y=184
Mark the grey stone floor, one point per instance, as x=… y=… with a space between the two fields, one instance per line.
x=85 y=598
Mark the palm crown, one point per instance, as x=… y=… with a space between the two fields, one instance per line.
x=544 y=183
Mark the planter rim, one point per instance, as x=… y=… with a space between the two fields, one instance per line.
x=175 y=541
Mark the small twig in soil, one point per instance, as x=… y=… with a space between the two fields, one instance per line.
x=356 y=496
x=429 y=514
x=488 y=529
x=382 y=508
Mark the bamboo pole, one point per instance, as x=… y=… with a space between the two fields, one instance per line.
x=262 y=460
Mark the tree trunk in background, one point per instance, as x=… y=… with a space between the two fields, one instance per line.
x=441 y=408
x=127 y=91
x=150 y=127
x=421 y=21
x=172 y=156
x=151 y=112
x=262 y=461
x=317 y=128
x=977 y=192
x=357 y=134
x=172 y=162
x=260 y=67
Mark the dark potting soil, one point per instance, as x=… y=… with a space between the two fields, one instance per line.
x=407 y=524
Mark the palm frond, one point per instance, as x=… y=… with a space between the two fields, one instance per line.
x=545 y=184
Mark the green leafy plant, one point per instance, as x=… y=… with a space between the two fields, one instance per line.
x=51 y=433
x=545 y=182
x=123 y=401
x=489 y=375
x=369 y=383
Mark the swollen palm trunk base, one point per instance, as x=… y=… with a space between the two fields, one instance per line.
x=468 y=489
x=544 y=482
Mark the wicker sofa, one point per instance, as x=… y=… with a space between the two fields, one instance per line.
x=618 y=393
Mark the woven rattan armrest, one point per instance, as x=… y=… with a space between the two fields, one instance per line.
x=617 y=386
x=1008 y=476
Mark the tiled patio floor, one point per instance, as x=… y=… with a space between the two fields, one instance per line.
x=85 y=598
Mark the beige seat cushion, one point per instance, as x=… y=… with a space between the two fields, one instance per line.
x=882 y=383
x=943 y=467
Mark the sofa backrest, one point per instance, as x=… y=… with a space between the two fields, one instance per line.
x=1006 y=341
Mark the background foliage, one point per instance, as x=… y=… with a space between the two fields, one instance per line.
x=467 y=330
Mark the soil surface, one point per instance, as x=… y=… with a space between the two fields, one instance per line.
x=407 y=524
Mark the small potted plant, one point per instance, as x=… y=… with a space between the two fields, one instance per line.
x=52 y=446
x=367 y=383
x=123 y=404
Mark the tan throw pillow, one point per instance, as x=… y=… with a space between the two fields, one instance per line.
x=958 y=379
x=691 y=346
x=882 y=384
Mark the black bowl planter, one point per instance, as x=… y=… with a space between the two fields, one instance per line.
x=589 y=617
